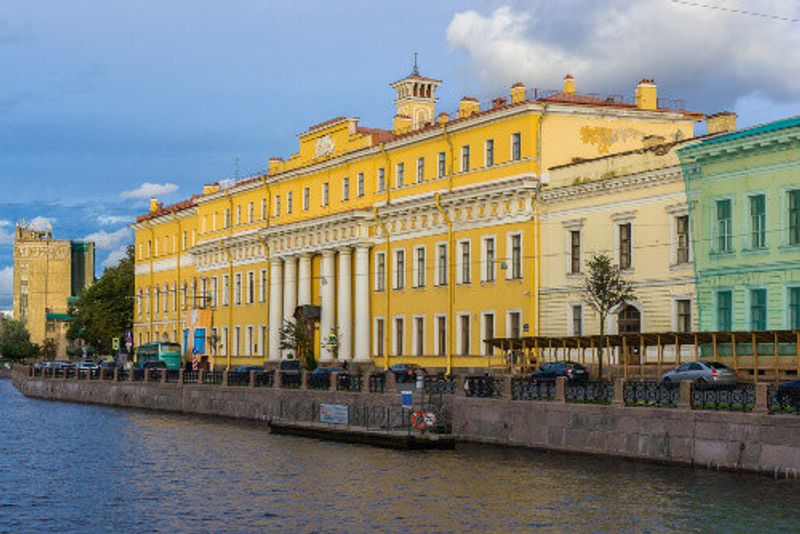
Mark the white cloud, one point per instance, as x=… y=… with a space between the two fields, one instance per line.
x=115 y=256
x=711 y=57
x=148 y=190
x=109 y=240
x=6 y=236
x=6 y=286
x=41 y=224
x=113 y=220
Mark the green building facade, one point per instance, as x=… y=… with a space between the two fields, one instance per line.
x=743 y=190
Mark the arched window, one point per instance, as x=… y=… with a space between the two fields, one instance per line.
x=629 y=319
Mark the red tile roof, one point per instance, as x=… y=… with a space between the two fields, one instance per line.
x=164 y=210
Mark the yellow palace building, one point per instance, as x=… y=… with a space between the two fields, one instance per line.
x=406 y=245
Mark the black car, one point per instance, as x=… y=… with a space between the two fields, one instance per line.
x=108 y=367
x=569 y=370
x=406 y=372
x=788 y=394
x=290 y=371
x=247 y=368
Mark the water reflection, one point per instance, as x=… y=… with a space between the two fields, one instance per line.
x=66 y=467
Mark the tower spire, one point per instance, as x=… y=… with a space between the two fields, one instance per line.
x=415 y=70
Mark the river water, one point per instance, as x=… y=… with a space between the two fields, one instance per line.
x=79 y=468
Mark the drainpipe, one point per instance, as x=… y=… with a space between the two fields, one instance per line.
x=152 y=292
x=388 y=326
x=178 y=283
x=537 y=223
x=267 y=296
x=451 y=294
x=228 y=343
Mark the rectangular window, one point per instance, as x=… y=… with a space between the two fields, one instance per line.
x=516 y=146
x=758 y=309
x=326 y=189
x=239 y=214
x=398 y=336
x=682 y=234
x=214 y=291
x=420 y=278
x=346 y=188
x=237 y=296
x=488 y=333
x=625 y=259
x=237 y=335
x=226 y=290
x=306 y=198
x=577 y=320
x=381 y=180
x=758 y=221
x=420 y=170
x=360 y=184
x=516 y=257
x=400 y=175
x=441 y=165
x=224 y=341
x=724 y=311
x=183 y=241
x=465 y=158
x=441 y=255
x=514 y=324
x=262 y=288
x=794 y=308
x=419 y=334
x=441 y=335
x=277 y=205
x=465 y=262
x=489 y=275
x=263 y=209
x=463 y=321
x=794 y=217
x=251 y=287
x=575 y=252
x=724 y=226
x=248 y=343
x=380 y=271
x=683 y=315
x=251 y=212
x=379 y=337
x=227 y=217
x=399 y=269
x=289 y=202
x=489 y=152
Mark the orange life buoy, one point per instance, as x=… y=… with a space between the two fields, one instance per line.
x=421 y=420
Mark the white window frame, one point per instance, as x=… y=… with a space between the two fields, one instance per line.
x=420 y=170
x=396 y=338
x=619 y=219
x=380 y=285
x=436 y=340
x=306 y=198
x=346 y=189
x=460 y=261
x=226 y=290
x=397 y=276
x=465 y=151
x=289 y=206
x=360 y=185
x=509 y=312
x=486 y=145
x=674 y=302
x=510 y=256
x=326 y=191
x=399 y=174
x=674 y=213
x=485 y=314
x=437 y=264
x=415 y=337
x=376 y=341
x=262 y=289
x=237 y=342
x=251 y=287
x=459 y=338
x=511 y=146
x=484 y=263
x=571 y=305
x=238 y=287
x=420 y=277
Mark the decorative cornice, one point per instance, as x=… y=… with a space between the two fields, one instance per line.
x=628 y=182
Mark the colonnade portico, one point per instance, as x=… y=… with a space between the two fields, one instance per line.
x=290 y=286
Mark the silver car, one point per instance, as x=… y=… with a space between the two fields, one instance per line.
x=701 y=374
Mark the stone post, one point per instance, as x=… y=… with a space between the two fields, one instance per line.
x=334 y=385
x=225 y=377
x=277 y=380
x=164 y=375
x=130 y=374
x=251 y=383
x=303 y=379
x=561 y=389
x=180 y=376
x=685 y=401
x=505 y=387
x=30 y=370
x=365 y=381
x=762 y=399
x=201 y=376
x=147 y=375
x=619 y=392
x=391 y=383
x=461 y=381
x=116 y=374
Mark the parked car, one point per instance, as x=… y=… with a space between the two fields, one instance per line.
x=154 y=364
x=701 y=374
x=322 y=371
x=87 y=365
x=788 y=394
x=43 y=365
x=62 y=365
x=406 y=372
x=570 y=370
x=289 y=367
x=247 y=368
x=108 y=367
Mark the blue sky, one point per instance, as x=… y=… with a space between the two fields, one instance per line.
x=98 y=98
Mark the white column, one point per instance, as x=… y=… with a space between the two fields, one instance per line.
x=289 y=287
x=328 y=311
x=343 y=308
x=304 y=281
x=275 y=308
x=362 y=317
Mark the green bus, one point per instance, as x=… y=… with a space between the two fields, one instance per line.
x=169 y=353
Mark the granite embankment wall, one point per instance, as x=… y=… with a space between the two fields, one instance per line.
x=755 y=442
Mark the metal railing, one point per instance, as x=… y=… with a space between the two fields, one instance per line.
x=653 y=394
x=318 y=381
x=592 y=392
x=212 y=377
x=291 y=380
x=783 y=402
x=264 y=379
x=377 y=382
x=173 y=376
x=523 y=388
x=190 y=377
x=738 y=398
x=350 y=382
x=239 y=378
x=440 y=385
x=138 y=375
x=482 y=386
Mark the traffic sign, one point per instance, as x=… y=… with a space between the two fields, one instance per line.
x=115 y=343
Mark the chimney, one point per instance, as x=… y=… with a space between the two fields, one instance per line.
x=569 y=85
x=646 y=95
x=155 y=205
x=443 y=118
x=402 y=124
x=210 y=188
x=467 y=106
x=722 y=122
x=275 y=165
x=517 y=93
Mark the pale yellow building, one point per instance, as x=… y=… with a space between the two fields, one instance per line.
x=413 y=244
x=48 y=273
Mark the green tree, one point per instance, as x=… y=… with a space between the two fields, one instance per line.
x=604 y=289
x=298 y=336
x=15 y=341
x=105 y=310
x=49 y=347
